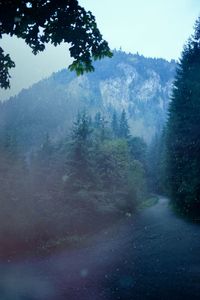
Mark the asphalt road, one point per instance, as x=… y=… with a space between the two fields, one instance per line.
x=151 y=255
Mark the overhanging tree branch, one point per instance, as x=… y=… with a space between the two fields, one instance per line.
x=50 y=21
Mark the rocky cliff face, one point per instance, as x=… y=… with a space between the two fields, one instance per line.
x=140 y=85
x=144 y=99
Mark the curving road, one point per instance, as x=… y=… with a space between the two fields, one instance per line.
x=152 y=255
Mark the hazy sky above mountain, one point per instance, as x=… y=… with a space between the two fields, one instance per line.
x=156 y=28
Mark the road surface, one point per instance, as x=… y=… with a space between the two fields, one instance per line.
x=151 y=255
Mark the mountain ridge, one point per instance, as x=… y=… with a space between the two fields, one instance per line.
x=141 y=86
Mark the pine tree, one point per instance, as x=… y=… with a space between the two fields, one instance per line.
x=123 y=126
x=183 y=134
x=79 y=165
x=115 y=125
x=100 y=126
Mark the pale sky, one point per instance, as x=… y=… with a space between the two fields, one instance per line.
x=154 y=28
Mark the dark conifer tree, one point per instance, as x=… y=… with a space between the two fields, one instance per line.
x=79 y=165
x=123 y=126
x=100 y=124
x=115 y=125
x=183 y=134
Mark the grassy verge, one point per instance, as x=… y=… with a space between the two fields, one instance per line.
x=148 y=202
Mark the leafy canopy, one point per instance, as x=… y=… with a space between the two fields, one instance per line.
x=42 y=21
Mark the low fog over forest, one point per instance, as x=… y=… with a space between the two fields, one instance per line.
x=99 y=166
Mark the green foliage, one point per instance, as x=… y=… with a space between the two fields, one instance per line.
x=137 y=189
x=115 y=125
x=80 y=175
x=156 y=164
x=100 y=161
x=5 y=64
x=101 y=131
x=151 y=201
x=183 y=135
x=77 y=185
x=138 y=149
x=123 y=126
x=42 y=21
x=113 y=164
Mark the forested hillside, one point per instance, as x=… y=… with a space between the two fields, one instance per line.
x=74 y=149
x=141 y=86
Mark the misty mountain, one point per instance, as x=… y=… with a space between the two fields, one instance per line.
x=141 y=86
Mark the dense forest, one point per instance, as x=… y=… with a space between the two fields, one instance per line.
x=176 y=168
x=183 y=135
x=75 y=149
x=91 y=178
